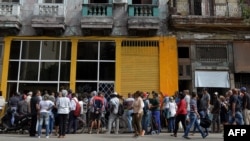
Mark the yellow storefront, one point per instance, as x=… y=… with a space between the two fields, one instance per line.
x=145 y=64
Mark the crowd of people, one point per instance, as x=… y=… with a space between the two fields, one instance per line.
x=55 y=111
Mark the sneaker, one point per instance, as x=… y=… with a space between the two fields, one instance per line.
x=204 y=136
x=39 y=137
x=47 y=137
x=186 y=137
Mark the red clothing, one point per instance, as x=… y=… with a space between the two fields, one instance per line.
x=182 y=107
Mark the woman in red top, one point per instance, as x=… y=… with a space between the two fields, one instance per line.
x=181 y=114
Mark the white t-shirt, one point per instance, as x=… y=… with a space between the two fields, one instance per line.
x=45 y=105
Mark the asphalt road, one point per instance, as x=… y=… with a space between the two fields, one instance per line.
x=111 y=137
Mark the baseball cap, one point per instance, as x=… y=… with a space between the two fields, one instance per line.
x=243 y=89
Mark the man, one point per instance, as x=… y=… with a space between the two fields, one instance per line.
x=114 y=103
x=98 y=106
x=235 y=115
x=216 y=113
x=13 y=103
x=128 y=111
x=34 y=109
x=204 y=105
x=246 y=105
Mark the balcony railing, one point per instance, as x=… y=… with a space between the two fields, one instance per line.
x=10 y=9
x=49 y=10
x=143 y=10
x=97 y=9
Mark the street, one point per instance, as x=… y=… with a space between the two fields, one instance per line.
x=111 y=137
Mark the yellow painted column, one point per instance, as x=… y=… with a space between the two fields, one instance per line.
x=168 y=65
x=118 y=65
x=6 y=54
x=73 y=64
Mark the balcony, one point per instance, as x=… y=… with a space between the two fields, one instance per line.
x=48 y=19
x=143 y=17
x=9 y=19
x=97 y=18
x=223 y=17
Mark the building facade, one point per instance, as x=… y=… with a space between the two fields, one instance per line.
x=123 y=45
x=213 y=43
x=86 y=45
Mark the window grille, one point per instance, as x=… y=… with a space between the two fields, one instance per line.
x=129 y=43
x=212 y=52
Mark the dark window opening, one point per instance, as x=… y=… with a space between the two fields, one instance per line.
x=183 y=52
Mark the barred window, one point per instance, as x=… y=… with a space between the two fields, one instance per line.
x=10 y=1
x=53 y=1
x=211 y=52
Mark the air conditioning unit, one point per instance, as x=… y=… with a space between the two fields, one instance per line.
x=120 y=1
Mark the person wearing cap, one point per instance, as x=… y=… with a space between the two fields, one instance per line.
x=245 y=105
x=113 y=107
x=216 y=113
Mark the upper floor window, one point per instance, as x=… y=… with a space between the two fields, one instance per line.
x=10 y=1
x=195 y=7
x=99 y=1
x=212 y=52
x=141 y=1
x=53 y=1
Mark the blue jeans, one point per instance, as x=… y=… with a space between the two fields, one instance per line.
x=203 y=114
x=13 y=113
x=51 y=122
x=129 y=119
x=145 y=122
x=156 y=115
x=171 y=124
x=44 y=117
x=193 y=121
x=238 y=118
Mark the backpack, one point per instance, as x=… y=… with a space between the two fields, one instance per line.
x=120 y=110
x=77 y=111
x=97 y=104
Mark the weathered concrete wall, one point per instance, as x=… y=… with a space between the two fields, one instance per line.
x=73 y=17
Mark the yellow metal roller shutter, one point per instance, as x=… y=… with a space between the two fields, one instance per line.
x=139 y=66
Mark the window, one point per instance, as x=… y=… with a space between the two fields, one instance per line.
x=211 y=52
x=95 y=66
x=98 y=1
x=53 y=1
x=141 y=1
x=36 y=62
x=183 y=52
x=195 y=7
x=10 y=1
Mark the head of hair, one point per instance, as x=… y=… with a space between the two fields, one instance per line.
x=64 y=93
x=181 y=95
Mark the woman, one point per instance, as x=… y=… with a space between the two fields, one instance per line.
x=137 y=105
x=63 y=108
x=181 y=114
x=172 y=111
